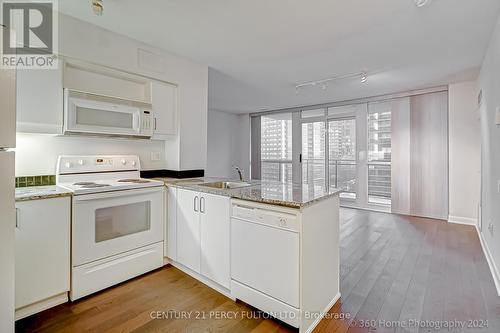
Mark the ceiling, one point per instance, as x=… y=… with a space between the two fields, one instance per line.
x=259 y=50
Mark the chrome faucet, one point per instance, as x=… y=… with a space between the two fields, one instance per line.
x=240 y=172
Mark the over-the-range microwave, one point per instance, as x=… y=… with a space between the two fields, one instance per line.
x=86 y=113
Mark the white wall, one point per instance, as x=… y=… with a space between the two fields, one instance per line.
x=489 y=82
x=228 y=144
x=83 y=41
x=36 y=154
x=464 y=130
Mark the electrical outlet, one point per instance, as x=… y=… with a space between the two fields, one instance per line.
x=155 y=156
x=490 y=228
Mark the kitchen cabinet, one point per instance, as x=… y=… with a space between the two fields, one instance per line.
x=188 y=229
x=203 y=234
x=214 y=230
x=42 y=254
x=171 y=227
x=104 y=81
x=164 y=99
x=40 y=101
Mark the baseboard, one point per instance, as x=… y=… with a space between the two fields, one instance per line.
x=42 y=305
x=493 y=268
x=323 y=313
x=462 y=220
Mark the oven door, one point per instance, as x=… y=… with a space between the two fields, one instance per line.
x=111 y=223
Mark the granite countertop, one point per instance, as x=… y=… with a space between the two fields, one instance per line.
x=41 y=192
x=275 y=193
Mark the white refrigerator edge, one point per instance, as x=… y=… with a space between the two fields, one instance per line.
x=7 y=196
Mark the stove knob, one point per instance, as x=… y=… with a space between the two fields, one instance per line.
x=133 y=163
x=124 y=162
x=67 y=164
x=80 y=162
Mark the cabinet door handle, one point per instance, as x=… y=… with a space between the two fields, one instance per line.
x=195 y=204
x=154 y=122
x=17 y=218
x=202 y=205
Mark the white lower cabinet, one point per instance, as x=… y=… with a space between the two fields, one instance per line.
x=171 y=227
x=188 y=229
x=203 y=234
x=42 y=254
x=214 y=229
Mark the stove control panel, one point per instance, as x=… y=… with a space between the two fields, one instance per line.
x=83 y=164
x=103 y=161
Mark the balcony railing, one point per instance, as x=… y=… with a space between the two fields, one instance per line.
x=342 y=174
x=379 y=182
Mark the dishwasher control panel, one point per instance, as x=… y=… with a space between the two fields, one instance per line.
x=267 y=217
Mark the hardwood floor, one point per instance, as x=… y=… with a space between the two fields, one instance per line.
x=394 y=269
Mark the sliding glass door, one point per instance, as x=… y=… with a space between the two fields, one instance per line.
x=329 y=152
x=313 y=153
x=379 y=153
x=342 y=171
x=345 y=147
x=276 y=147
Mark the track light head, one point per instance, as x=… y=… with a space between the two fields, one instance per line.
x=98 y=7
x=422 y=3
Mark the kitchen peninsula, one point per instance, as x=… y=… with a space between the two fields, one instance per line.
x=272 y=245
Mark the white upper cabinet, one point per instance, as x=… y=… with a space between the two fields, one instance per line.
x=103 y=81
x=40 y=101
x=164 y=99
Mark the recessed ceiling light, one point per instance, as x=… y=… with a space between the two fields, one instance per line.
x=97 y=7
x=422 y=3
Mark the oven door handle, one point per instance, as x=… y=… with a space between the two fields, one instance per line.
x=118 y=194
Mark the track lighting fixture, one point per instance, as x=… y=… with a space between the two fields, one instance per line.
x=324 y=82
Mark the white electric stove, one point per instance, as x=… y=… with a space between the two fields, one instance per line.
x=117 y=220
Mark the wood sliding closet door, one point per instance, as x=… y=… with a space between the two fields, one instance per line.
x=429 y=155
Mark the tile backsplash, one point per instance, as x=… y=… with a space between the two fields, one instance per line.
x=35 y=181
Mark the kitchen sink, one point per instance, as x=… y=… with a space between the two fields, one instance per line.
x=226 y=185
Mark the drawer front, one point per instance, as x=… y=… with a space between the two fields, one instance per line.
x=105 y=273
